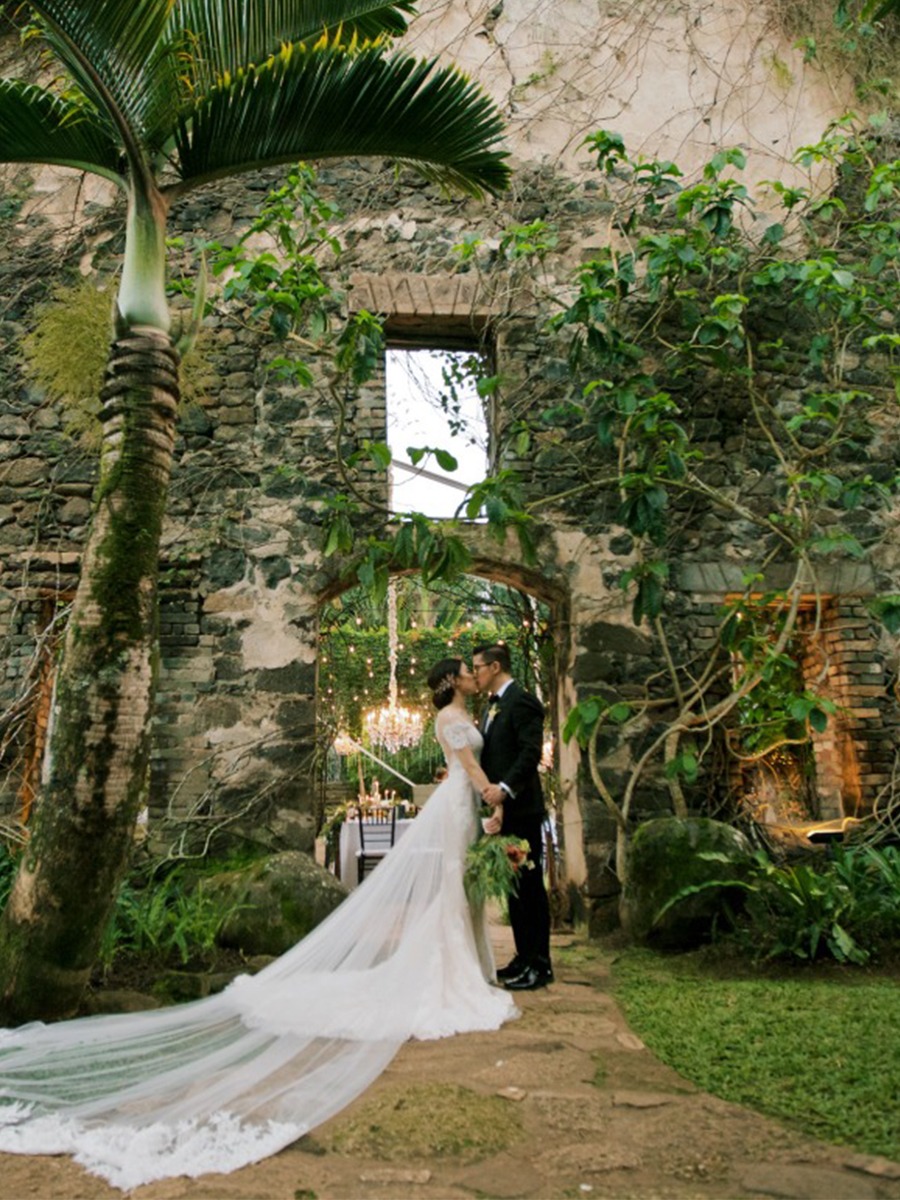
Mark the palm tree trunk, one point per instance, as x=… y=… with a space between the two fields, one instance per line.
x=99 y=744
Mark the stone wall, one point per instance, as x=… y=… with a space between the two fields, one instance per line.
x=243 y=574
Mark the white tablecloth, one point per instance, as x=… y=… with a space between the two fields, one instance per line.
x=349 y=845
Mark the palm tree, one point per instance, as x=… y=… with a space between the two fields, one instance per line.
x=161 y=96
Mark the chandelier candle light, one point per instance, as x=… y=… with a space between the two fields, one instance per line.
x=345 y=745
x=393 y=726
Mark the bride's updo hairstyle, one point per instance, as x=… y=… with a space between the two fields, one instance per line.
x=441 y=678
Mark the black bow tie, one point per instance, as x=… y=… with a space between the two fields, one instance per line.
x=495 y=699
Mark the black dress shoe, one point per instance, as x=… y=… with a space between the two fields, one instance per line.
x=513 y=968
x=530 y=979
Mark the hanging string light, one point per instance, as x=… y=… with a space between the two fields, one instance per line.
x=393 y=726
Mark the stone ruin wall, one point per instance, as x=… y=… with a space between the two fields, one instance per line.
x=243 y=573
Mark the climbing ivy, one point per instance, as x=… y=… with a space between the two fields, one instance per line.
x=702 y=292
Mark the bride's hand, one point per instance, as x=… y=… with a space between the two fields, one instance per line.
x=494 y=822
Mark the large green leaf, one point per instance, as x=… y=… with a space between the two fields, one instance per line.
x=321 y=102
x=36 y=126
x=144 y=58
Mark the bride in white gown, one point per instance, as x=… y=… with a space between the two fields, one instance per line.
x=226 y=1081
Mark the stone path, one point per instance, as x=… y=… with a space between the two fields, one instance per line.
x=563 y=1103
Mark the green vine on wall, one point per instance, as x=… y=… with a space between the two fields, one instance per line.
x=701 y=297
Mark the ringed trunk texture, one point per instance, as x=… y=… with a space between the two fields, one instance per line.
x=98 y=750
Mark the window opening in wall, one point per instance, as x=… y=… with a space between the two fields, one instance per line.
x=433 y=403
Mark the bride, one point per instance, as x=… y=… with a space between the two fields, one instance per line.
x=222 y=1082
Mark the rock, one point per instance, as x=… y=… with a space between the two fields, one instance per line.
x=22 y=471
x=14 y=427
x=75 y=511
x=279 y=900
x=669 y=854
x=389 y=1175
x=117 y=1000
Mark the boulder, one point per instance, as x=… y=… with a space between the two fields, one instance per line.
x=668 y=854
x=276 y=900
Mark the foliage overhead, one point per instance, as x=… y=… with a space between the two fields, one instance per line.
x=192 y=90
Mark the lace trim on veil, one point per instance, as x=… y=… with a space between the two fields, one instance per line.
x=216 y=1084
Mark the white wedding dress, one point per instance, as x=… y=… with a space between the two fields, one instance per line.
x=222 y=1082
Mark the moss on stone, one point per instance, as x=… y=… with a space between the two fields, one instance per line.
x=673 y=853
x=427 y=1121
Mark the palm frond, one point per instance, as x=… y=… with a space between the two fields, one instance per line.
x=36 y=126
x=234 y=34
x=110 y=48
x=321 y=102
x=143 y=60
x=207 y=40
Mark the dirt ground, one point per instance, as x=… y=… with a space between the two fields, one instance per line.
x=565 y=1102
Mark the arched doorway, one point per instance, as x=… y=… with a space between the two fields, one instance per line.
x=491 y=603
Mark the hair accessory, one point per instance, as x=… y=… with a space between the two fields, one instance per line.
x=447 y=684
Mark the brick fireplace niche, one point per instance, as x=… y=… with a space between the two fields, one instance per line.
x=841 y=772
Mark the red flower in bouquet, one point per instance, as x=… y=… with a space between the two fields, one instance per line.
x=493 y=866
x=517 y=856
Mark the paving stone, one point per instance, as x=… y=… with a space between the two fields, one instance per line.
x=872 y=1164
x=789 y=1182
x=641 y=1099
x=382 y=1175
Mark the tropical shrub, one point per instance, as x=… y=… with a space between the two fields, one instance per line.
x=845 y=907
x=163 y=920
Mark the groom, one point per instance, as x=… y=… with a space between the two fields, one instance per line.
x=513 y=731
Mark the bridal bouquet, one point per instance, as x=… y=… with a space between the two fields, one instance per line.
x=493 y=866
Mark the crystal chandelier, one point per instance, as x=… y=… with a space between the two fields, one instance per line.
x=392 y=725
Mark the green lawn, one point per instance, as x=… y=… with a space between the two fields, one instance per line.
x=818 y=1050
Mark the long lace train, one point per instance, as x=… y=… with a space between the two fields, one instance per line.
x=222 y=1082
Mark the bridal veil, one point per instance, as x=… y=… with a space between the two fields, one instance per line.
x=222 y=1082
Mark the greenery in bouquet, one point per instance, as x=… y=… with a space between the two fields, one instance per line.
x=494 y=864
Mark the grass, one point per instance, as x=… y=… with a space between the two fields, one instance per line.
x=818 y=1050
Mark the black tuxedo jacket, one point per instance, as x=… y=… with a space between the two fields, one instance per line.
x=513 y=745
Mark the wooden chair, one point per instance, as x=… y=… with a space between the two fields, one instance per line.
x=376 y=836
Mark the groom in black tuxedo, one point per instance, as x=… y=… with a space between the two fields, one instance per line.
x=513 y=732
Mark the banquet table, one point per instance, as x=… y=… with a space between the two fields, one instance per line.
x=349 y=845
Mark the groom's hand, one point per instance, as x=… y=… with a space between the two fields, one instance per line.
x=493 y=794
